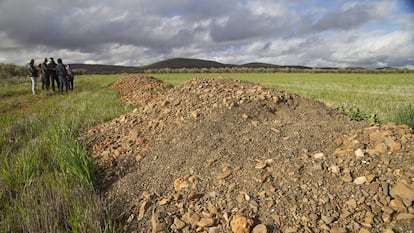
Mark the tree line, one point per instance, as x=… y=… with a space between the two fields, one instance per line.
x=16 y=74
x=278 y=70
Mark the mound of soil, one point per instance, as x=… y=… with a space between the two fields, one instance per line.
x=219 y=155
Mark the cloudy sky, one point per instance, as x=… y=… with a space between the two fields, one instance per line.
x=339 y=33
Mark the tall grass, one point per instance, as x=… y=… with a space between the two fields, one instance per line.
x=46 y=177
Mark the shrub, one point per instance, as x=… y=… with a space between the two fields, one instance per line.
x=356 y=114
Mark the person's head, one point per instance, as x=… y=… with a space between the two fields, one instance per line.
x=67 y=66
x=51 y=58
x=31 y=62
x=45 y=59
x=59 y=61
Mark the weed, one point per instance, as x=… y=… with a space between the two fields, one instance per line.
x=356 y=114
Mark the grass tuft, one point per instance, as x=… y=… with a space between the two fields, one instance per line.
x=405 y=116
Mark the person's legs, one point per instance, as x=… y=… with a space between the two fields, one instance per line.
x=52 y=81
x=34 y=84
x=60 y=85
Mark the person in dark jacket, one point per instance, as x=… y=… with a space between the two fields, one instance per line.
x=61 y=74
x=33 y=74
x=44 y=72
x=51 y=66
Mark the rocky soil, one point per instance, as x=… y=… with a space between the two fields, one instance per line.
x=219 y=155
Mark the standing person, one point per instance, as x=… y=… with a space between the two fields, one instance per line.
x=71 y=77
x=33 y=73
x=52 y=73
x=44 y=75
x=61 y=74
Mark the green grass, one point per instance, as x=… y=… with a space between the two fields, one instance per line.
x=46 y=177
x=382 y=94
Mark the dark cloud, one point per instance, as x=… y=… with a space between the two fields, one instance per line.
x=351 y=16
x=138 y=32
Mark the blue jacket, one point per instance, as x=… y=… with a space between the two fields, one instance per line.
x=60 y=70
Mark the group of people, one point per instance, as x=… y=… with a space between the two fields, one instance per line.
x=50 y=73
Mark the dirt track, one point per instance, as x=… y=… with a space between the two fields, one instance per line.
x=218 y=155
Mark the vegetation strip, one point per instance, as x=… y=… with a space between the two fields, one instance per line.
x=46 y=177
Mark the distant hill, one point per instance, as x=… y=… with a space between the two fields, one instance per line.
x=106 y=69
x=189 y=63
x=177 y=63
x=259 y=65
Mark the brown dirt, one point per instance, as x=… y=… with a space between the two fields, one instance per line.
x=219 y=155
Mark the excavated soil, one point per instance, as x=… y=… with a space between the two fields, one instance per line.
x=220 y=155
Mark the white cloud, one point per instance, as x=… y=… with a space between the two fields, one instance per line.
x=131 y=32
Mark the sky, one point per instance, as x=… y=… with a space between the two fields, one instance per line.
x=317 y=33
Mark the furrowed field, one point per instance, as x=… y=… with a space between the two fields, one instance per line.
x=47 y=178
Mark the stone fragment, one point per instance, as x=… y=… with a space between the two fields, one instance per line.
x=338 y=230
x=144 y=206
x=139 y=158
x=157 y=225
x=290 y=230
x=194 y=195
x=363 y=230
x=260 y=228
x=319 y=156
x=191 y=218
x=334 y=169
x=224 y=174
x=195 y=114
x=359 y=153
x=404 y=216
x=397 y=205
x=240 y=224
x=347 y=178
x=360 y=180
x=164 y=201
x=401 y=190
x=392 y=144
x=178 y=223
x=327 y=219
x=388 y=230
x=338 y=141
x=206 y=222
x=352 y=204
x=260 y=165
x=386 y=218
x=180 y=184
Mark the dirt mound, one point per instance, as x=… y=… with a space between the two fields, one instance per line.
x=218 y=155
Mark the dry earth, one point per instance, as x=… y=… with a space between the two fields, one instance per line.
x=219 y=155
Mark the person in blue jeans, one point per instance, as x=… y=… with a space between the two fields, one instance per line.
x=61 y=73
x=34 y=74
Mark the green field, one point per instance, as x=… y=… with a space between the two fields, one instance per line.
x=47 y=178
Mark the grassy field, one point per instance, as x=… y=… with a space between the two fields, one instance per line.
x=47 y=178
